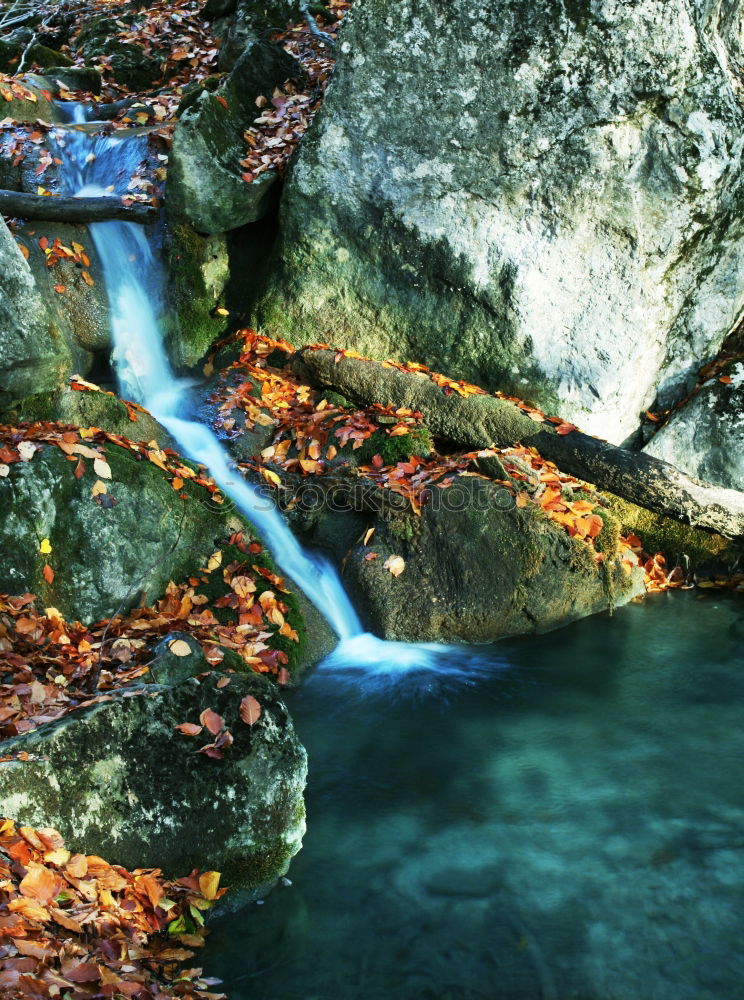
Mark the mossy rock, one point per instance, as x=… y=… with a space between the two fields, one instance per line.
x=477 y=568
x=198 y=273
x=119 y=781
x=45 y=58
x=395 y=449
x=106 y=555
x=87 y=408
x=680 y=544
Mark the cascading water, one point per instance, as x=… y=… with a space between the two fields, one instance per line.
x=145 y=376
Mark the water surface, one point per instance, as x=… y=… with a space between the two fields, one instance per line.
x=569 y=828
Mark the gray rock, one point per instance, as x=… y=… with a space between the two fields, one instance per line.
x=705 y=438
x=119 y=781
x=542 y=197
x=34 y=355
x=205 y=188
x=75 y=78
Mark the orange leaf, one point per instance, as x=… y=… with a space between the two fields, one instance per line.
x=189 y=729
x=221 y=100
x=60 y=289
x=48 y=573
x=40 y=883
x=565 y=428
x=212 y=721
x=250 y=710
x=726 y=379
x=87 y=278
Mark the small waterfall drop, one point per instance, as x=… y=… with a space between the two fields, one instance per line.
x=145 y=376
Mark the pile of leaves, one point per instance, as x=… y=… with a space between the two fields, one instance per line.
x=284 y=120
x=73 y=926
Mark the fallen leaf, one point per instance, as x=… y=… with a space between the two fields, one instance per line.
x=212 y=721
x=45 y=546
x=394 y=565
x=48 y=573
x=179 y=647
x=102 y=468
x=98 y=488
x=250 y=710
x=189 y=728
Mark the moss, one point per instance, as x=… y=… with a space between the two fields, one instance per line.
x=260 y=868
x=396 y=449
x=677 y=542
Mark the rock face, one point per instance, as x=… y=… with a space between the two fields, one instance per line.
x=476 y=568
x=705 y=438
x=34 y=355
x=205 y=188
x=551 y=204
x=104 y=555
x=119 y=781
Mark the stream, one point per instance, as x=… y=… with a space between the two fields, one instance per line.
x=556 y=818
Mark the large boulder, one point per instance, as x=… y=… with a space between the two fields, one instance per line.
x=550 y=204
x=205 y=187
x=34 y=354
x=476 y=567
x=705 y=437
x=120 y=781
x=108 y=550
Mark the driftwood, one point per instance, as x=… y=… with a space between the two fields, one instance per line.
x=476 y=421
x=49 y=209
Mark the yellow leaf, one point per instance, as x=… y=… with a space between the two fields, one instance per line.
x=209 y=883
x=367 y=535
x=221 y=311
x=98 y=488
x=45 y=547
x=179 y=647
x=215 y=560
x=102 y=469
x=271 y=477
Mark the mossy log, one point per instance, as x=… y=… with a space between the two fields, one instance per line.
x=45 y=208
x=482 y=421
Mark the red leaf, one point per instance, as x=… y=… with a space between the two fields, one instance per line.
x=565 y=428
x=212 y=721
x=79 y=469
x=48 y=573
x=250 y=710
x=222 y=100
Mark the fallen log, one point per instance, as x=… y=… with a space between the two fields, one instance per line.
x=50 y=209
x=484 y=421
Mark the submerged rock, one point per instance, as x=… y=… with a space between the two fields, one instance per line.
x=551 y=205
x=119 y=781
x=476 y=568
x=34 y=354
x=705 y=438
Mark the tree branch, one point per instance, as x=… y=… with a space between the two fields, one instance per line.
x=324 y=37
x=34 y=206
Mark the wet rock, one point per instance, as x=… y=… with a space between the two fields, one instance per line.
x=75 y=78
x=205 y=188
x=34 y=355
x=476 y=568
x=705 y=438
x=551 y=205
x=28 y=102
x=119 y=781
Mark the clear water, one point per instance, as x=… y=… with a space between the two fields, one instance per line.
x=571 y=828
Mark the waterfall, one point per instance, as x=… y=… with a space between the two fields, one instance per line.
x=145 y=376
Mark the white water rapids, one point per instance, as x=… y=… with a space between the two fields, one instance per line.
x=145 y=376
